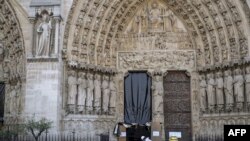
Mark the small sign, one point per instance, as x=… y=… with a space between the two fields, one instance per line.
x=175 y=134
x=156 y=133
x=123 y=134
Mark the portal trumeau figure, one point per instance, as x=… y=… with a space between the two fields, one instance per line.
x=43 y=36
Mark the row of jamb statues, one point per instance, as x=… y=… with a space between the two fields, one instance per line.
x=226 y=91
x=91 y=93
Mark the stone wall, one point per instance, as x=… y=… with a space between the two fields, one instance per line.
x=42 y=98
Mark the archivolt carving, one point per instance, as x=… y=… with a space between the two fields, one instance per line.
x=12 y=62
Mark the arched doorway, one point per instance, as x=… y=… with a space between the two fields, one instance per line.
x=177 y=105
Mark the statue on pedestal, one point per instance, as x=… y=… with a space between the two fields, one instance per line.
x=82 y=92
x=203 y=93
x=219 y=91
x=72 y=91
x=228 y=89
x=113 y=93
x=247 y=79
x=43 y=36
x=211 y=92
x=239 y=88
x=90 y=92
x=106 y=93
x=98 y=93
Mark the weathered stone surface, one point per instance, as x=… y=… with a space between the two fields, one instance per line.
x=100 y=37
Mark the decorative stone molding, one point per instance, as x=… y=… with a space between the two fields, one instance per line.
x=93 y=68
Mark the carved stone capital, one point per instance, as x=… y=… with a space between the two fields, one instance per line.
x=157 y=72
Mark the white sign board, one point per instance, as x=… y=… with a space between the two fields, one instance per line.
x=156 y=133
x=175 y=134
x=123 y=134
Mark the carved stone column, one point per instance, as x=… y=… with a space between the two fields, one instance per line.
x=157 y=99
x=31 y=52
x=57 y=29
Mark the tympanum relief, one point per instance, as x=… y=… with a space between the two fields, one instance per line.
x=154 y=16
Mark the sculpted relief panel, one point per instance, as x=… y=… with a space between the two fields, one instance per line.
x=156 y=59
x=154 y=17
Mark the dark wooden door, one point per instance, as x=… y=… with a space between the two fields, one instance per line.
x=177 y=104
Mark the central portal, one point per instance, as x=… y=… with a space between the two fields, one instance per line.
x=177 y=105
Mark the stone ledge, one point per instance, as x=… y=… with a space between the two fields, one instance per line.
x=42 y=60
x=45 y=2
x=226 y=115
x=88 y=117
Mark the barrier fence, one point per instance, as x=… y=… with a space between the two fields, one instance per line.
x=56 y=138
x=209 y=138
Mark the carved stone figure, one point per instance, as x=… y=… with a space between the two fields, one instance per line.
x=113 y=93
x=228 y=88
x=12 y=100
x=82 y=92
x=90 y=92
x=18 y=97
x=247 y=78
x=72 y=90
x=239 y=88
x=203 y=93
x=211 y=91
x=43 y=36
x=1 y=52
x=155 y=17
x=158 y=95
x=219 y=91
x=98 y=92
x=106 y=92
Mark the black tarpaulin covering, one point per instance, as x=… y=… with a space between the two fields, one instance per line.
x=137 y=98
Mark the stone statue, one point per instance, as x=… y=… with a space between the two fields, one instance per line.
x=90 y=92
x=228 y=85
x=98 y=93
x=18 y=97
x=43 y=36
x=211 y=91
x=106 y=93
x=1 y=52
x=82 y=92
x=12 y=100
x=219 y=91
x=113 y=93
x=158 y=95
x=155 y=18
x=203 y=93
x=72 y=90
x=239 y=88
x=247 y=78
